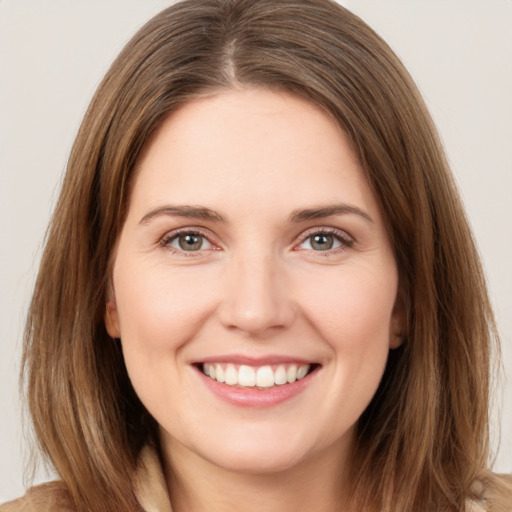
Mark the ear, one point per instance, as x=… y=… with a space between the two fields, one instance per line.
x=112 y=319
x=398 y=327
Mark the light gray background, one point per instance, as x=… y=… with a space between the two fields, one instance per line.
x=53 y=54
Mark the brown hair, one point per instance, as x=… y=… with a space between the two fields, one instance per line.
x=423 y=441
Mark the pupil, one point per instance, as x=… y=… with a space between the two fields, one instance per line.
x=190 y=242
x=322 y=242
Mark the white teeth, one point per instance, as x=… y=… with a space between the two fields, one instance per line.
x=219 y=372
x=261 y=377
x=291 y=374
x=280 y=376
x=231 y=375
x=265 y=377
x=246 y=376
x=302 y=371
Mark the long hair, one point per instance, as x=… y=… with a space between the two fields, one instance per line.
x=423 y=441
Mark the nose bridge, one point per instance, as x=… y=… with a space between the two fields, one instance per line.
x=256 y=298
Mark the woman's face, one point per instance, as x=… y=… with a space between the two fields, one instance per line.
x=253 y=251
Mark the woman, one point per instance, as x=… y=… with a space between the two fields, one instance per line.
x=259 y=289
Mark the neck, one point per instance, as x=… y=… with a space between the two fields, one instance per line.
x=197 y=485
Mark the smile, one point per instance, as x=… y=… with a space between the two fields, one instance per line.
x=245 y=376
x=247 y=382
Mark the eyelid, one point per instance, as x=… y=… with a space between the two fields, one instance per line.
x=189 y=230
x=346 y=239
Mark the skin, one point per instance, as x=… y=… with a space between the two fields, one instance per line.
x=257 y=287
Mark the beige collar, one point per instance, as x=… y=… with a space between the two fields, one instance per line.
x=151 y=489
x=150 y=486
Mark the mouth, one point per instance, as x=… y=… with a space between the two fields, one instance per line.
x=261 y=377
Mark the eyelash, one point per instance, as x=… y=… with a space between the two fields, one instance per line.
x=173 y=235
x=345 y=240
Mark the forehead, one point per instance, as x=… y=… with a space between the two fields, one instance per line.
x=251 y=144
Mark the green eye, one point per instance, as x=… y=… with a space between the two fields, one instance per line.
x=323 y=241
x=188 y=242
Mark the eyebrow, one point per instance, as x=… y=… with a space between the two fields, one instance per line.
x=327 y=211
x=193 y=212
x=301 y=215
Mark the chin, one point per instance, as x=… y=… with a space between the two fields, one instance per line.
x=263 y=451
x=258 y=461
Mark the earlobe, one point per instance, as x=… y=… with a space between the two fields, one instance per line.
x=112 y=319
x=396 y=340
x=398 y=331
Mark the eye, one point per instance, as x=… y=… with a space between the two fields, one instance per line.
x=186 y=241
x=326 y=240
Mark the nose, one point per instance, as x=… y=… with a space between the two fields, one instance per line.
x=256 y=299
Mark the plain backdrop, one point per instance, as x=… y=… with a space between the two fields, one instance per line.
x=53 y=54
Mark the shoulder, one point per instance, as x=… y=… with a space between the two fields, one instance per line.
x=475 y=506
x=494 y=492
x=49 y=497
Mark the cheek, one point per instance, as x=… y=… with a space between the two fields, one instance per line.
x=160 y=310
x=348 y=311
x=352 y=310
x=352 y=314
x=160 y=306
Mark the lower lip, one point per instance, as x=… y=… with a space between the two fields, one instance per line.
x=256 y=397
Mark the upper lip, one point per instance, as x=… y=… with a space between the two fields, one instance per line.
x=254 y=361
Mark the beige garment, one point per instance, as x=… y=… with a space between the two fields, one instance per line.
x=150 y=488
